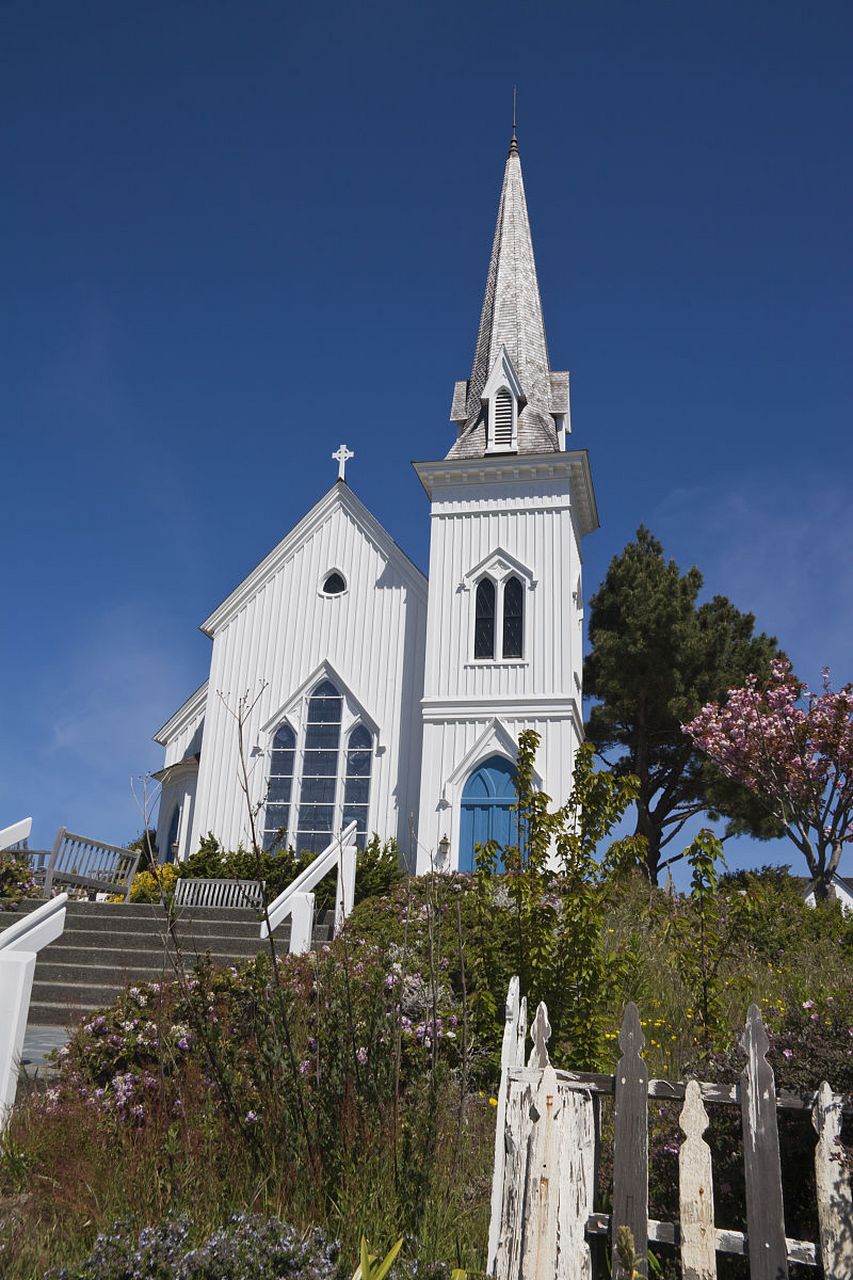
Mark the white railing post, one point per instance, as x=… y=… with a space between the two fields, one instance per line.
x=339 y=852
x=345 y=896
x=17 y=970
x=18 y=947
x=10 y=836
x=301 y=923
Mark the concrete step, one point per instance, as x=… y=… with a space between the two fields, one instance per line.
x=136 y=957
x=107 y=946
x=84 y=935
x=64 y=1013
x=74 y=975
x=82 y=995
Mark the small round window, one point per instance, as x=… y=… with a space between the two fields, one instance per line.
x=334 y=584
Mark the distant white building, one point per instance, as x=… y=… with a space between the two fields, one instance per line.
x=840 y=887
x=376 y=694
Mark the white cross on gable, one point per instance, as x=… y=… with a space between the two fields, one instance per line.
x=342 y=457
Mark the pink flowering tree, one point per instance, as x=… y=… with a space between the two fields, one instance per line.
x=794 y=749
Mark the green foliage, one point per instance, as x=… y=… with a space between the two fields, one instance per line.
x=559 y=890
x=378 y=868
x=702 y=934
x=153 y=885
x=247 y=1247
x=146 y=843
x=350 y=1088
x=326 y=1086
x=370 y=1268
x=656 y=658
x=16 y=880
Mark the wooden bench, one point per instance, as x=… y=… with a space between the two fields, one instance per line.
x=219 y=893
x=82 y=863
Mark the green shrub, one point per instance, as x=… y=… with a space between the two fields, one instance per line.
x=16 y=880
x=248 y=1247
x=378 y=868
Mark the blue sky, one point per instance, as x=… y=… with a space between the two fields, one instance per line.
x=236 y=234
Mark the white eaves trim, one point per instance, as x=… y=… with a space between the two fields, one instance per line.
x=340 y=495
x=194 y=704
x=497 y=469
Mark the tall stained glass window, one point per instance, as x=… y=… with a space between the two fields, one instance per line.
x=357 y=782
x=513 y=622
x=277 y=809
x=484 y=620
x=326 y=786
x=320 y=764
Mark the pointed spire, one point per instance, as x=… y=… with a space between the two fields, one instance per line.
x=511 y=318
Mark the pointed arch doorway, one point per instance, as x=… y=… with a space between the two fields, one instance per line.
x=486 y=809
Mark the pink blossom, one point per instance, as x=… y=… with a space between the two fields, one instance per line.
x=794 y=749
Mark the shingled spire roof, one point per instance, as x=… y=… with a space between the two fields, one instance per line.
x=511 y=319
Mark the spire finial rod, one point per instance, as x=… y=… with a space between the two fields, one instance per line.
x=513 y=146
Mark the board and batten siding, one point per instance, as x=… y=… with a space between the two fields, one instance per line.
x=472 y=709
x=285 y=635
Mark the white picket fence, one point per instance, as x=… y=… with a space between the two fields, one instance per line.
x=19 y=945
x=547 y=1147
x=297 y=900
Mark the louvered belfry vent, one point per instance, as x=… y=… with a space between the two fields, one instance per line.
x=502 y=434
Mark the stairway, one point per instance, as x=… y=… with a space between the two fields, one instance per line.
x=106 y=946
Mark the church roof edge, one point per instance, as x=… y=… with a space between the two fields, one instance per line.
x=341 y=493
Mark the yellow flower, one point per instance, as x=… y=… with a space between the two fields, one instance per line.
x=493 y=1102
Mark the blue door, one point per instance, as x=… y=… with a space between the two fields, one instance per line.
x=486 y=812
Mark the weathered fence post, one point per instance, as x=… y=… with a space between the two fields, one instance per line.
x=512 y=1055
x=696 y=1191
x=834 y=1201
x=631 y=1140
x=765 y=1214
x=548 y=1179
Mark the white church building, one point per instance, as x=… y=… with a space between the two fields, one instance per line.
x=397 y=700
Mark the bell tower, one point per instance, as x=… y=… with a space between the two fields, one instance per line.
x=509 y=508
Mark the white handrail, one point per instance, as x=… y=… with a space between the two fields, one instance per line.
x=10 y=836
x=341 y=851
x=18 y=946
x=37 y=928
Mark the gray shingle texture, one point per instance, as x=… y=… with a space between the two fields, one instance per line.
x=511 y=317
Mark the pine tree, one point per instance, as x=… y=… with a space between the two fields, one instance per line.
x=656 y=658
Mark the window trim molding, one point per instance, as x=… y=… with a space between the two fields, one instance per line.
x=499 y=566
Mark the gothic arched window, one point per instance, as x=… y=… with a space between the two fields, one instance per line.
x=320 y=780
x=513 y=619
x=484 y=620
x=318 y=793
x=357 y=783
x=277 y=810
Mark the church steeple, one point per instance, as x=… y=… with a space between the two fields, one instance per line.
x=511 y=344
